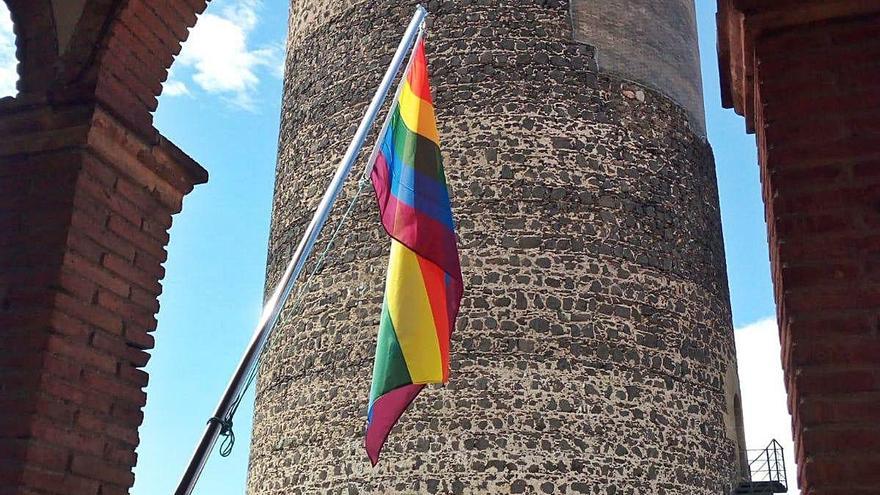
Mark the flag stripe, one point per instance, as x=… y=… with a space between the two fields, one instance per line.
x=435 y=283
x=386 y=411
x=389 y=367
x=412 y=316
x=418 y=74
x=407 y=179
x=413 y=150
x=419 y=231
x=418 y=114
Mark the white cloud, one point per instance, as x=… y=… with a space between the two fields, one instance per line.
x=175 y=88
x=8 y=62
x=765 y=409
x=220 y=57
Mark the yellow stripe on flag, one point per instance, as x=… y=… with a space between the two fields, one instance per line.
x=411 y=315
x=418 y=114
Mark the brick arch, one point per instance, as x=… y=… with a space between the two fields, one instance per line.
x=147 y=35
x=116 y=53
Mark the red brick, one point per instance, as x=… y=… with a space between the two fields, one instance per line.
x=89 y=313
x=95 y=468
x=72 y=328
x=148 y=282
x=65 y=437
x=140 y=196
x=838 y=470
x=47 y=456
x=117 y=95
x=82 y=353
x=106 y=426
x=77 y=286
x=125 y=308
x=109 y=343
x=145 y=300
x=62 y=366
x=139 y=338
x=155 y=229
x=29 y=358
x=823 y=299
x=142 y=78
x=825 y=439
x=832 y=349
x=123 y=456
x=854 y=408
x=137 y=357
x=85 y=206
x=126 y=414
x=141 y=23
x=114 y=387
x=823 y=381
x=144 y=242
x=93 y=196
x=104 y=278
x=134 y=375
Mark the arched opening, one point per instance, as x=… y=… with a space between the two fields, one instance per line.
x=8 y=60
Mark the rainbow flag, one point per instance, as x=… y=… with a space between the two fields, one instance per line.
x=424 y=285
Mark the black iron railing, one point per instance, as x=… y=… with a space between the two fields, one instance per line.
x=767 y=469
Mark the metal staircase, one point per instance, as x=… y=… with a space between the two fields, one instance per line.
x=766 y=472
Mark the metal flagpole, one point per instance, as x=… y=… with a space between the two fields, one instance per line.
x=272 y=308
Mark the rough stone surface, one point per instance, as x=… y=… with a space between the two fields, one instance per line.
x=594 y=352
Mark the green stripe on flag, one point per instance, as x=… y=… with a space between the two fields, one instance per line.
x=389 y=368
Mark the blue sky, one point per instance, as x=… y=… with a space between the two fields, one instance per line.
x=221 y=105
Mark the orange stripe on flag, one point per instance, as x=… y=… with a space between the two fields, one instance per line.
x=435 y=284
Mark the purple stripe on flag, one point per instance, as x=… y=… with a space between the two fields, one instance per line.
x=385 y=412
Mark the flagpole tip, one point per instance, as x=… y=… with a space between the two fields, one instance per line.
x=422 y=11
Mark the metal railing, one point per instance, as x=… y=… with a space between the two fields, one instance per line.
x=767 y=466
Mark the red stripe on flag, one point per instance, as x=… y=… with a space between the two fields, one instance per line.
x=418 y=74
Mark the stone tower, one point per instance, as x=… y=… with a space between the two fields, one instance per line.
x=594 y=352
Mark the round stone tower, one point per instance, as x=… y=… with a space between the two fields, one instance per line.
x=594 y=351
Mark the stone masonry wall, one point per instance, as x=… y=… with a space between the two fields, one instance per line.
x=594 y=352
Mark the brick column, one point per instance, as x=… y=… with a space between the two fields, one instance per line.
x=807 y=77
x=85 y=206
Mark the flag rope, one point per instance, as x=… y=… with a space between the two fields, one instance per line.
x=226 y=423
x=226 y=432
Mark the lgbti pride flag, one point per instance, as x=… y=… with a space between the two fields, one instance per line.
x=424 y=285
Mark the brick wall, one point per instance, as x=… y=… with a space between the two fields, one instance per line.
x=820 y=89
x=809 y=86
x=86 y=208
x=87 y=191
